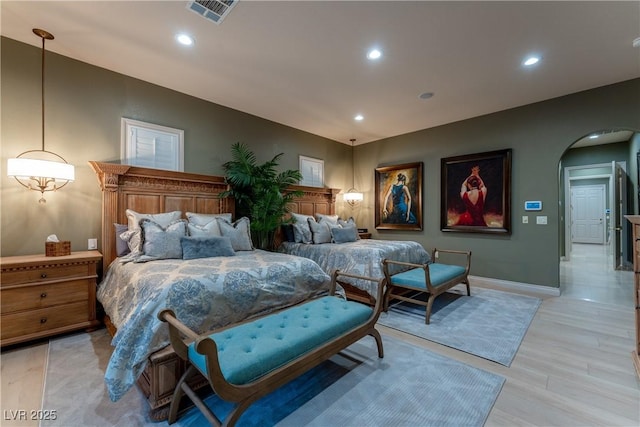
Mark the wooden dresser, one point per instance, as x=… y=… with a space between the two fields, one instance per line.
x=42 y=296
x=635 y=223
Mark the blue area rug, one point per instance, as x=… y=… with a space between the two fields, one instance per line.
x=489 y=323
x=410 y=386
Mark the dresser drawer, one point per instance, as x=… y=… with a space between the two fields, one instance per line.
x=41 y=296
x=52 y=272
x=31 y=322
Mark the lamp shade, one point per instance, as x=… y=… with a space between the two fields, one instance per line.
x=23 y=168
x=353 y=195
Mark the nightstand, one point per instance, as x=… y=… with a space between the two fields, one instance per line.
x=364 y=235
x=42 y=296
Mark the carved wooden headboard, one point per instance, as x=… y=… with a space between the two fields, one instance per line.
x=153 y=191
x=156 y=191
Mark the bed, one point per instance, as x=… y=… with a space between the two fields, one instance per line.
x=212 y=291
x=360 y=257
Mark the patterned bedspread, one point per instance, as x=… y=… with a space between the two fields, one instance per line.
x=204 y=293
x=362 y=257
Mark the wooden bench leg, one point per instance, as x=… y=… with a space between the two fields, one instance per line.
x=427 y=316
x=376 y=335
x=466 y=282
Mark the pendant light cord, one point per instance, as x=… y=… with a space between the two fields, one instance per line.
x=42 y=91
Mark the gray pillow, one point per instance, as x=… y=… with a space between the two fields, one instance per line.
x=122 y=248
x=239 y=232
x=301 y=230
x=344 y=234
x=162 y=242
x=205 y=247
x=133 y=235
x=320 y=232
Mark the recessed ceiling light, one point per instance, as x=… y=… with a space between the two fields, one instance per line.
x=374 y=54
x=184 y=39
x=531 y=61
x=359 y=117
x=426 y=95
x=593 y=136
x=636 y=42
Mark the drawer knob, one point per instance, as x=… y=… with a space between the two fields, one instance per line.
x=43 y=275
x=43 y=320
x=43 y=295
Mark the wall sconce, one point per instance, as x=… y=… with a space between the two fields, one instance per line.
x=353 y=196
x=35 y=169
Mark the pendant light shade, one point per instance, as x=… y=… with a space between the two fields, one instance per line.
x=353 y=196
x=41 y=170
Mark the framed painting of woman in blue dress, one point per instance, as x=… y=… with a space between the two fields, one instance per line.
x=476 y=193
x=399 y=197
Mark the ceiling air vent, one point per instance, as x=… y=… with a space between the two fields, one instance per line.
x=215 y=10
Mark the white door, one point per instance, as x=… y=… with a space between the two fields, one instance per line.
x=588 y=214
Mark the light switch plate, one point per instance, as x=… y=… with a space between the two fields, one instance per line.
x=525 y=219
x=92 y=244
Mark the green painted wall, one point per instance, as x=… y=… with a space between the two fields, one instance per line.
x=84 y=107
x=539 y=134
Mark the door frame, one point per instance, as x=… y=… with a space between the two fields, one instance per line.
x=567 y=198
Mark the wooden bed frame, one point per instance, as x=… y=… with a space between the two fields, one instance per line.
x=155 y=191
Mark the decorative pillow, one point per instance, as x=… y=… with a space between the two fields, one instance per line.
x=239 y=232
x=205 y=247
x=302 y=234
x=320 y=232
x=162 y=242
x=211 y=229
x=122 y=248
x=301 y=230
x=348 y=223
x=133 y=236
x=344 y=234
x=331 y=219
x=287 y=231
x=204 y=219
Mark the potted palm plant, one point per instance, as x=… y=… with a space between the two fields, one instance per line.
x=261 y=192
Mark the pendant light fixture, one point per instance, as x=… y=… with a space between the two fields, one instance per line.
x=353 y=196
x=41 y=170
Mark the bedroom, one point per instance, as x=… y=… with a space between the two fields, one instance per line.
x=85 y=104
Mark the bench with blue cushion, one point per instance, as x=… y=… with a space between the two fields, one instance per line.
x=433 y=278
x=246 y=361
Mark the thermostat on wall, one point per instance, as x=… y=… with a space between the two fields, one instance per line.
x=533 y=205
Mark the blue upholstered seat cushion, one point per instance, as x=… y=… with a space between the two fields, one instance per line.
x=438 y=273
x=251 y=350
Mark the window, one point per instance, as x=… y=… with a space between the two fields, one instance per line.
x=152 y=146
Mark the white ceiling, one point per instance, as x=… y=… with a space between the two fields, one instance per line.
x=303 y=64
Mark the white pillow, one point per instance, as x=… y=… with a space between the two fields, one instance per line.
x=211 y=229
x=331 y=219
x=204 y=219
x=239 y=232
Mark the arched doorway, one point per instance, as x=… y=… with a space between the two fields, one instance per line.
x=598 y=178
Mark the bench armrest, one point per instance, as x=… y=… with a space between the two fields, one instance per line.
x=380 y=288
x=434 y=256
x=177 y=330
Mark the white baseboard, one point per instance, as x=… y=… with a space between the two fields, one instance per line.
x=509 y=285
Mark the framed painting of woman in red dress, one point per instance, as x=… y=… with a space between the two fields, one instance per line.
x=476 y=192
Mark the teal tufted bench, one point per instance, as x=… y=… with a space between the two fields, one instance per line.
x=246 y=361
x=433 y=278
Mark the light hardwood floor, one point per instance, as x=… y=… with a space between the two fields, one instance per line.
x=573 y=367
